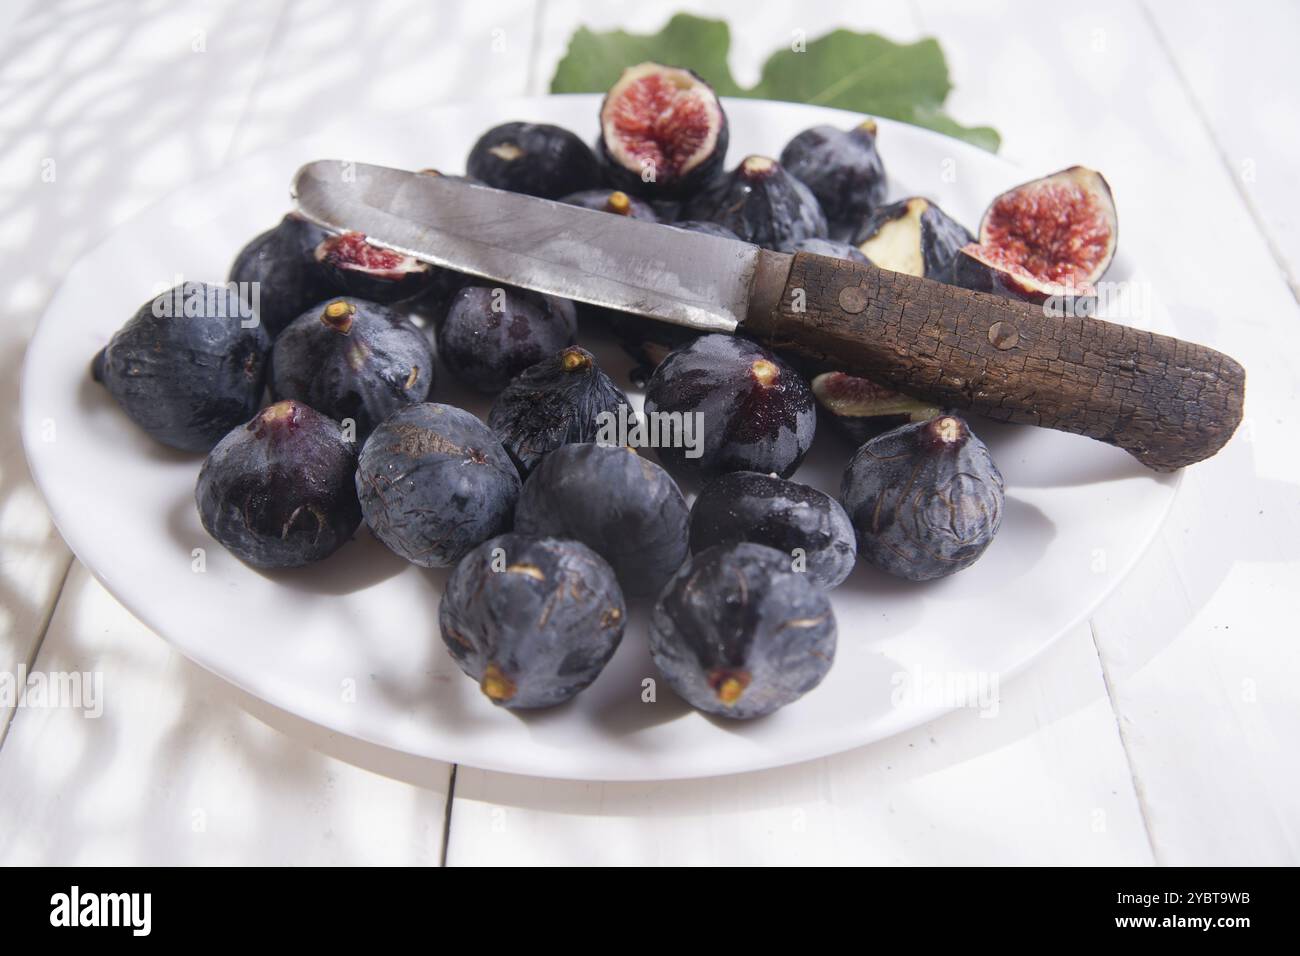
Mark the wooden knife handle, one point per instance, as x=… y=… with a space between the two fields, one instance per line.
x=1168 y=402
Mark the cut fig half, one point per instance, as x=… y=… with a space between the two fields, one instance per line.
x=990 y=269
x=1051 y=237
x=367 y=271
x=663 y=133
x=861 y=409
x=912 y=236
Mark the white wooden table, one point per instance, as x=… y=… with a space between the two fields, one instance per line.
x=1163 y=731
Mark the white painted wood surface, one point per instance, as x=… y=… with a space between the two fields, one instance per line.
x=1160 y=733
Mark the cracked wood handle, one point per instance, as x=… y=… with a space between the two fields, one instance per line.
x=1168 y=402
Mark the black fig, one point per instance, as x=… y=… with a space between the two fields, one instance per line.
x=754 y=412
x=613 y=201
x=738 y=634
x=533 y=620
x=914 y=237
x=761 y=203
x=188 y=366
x=278 y=492
x=558 y=401
x=925 y=499
x=843 y=170
x=805 y=524
x=352 y=360
x=663 y=133
x=624 y=507
x=434 y=482
x=492 y=333
x=861 y=409
x=534 y=158
x=280 y=264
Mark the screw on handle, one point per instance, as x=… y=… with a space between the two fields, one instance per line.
x=1167 y=402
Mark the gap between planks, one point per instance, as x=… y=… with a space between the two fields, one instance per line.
x=11 y=712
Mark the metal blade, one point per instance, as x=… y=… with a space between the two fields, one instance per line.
x=591 y=256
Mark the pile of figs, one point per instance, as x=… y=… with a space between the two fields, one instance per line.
x=311 y=381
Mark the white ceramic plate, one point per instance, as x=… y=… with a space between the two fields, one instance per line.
x=353 y=643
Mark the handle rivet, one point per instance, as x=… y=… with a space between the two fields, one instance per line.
x=853 y=299
x=1003 y=335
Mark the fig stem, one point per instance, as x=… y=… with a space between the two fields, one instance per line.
x=338 y=315
x=766 y=373
x=730 y=689
x=496 y=685
x=573 y=360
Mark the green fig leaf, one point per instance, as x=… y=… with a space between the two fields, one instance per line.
x=859 y=72
x=595 y=60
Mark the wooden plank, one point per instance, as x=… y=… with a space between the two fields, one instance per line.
x=1211 y=713
x=93 y=100
x=1238 y=67
x=180 y=768
x=176 y=747
x=1203 y=623
x=1043 y=780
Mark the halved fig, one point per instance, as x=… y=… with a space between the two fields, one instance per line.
x=761 y=203
x=1054 y=236
x=912 y=236
x=360 y=269
x=663 y=133
x=983 y=268
x=860 y=409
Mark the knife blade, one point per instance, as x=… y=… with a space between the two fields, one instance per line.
x=582 y=254
x=1166 y=401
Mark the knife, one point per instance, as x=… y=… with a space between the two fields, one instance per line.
x=1166 y=401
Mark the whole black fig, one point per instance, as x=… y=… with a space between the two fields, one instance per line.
x=278 y=492
x=805 y=524
x=352 y=359
x=843 y=170
x=188 y=366
x=533 y=620
x=613 y=201
x=280 y=265
x=558 y=401
x=537 y=159
x=925 y=499
x=738 y=634
x=761 y=203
